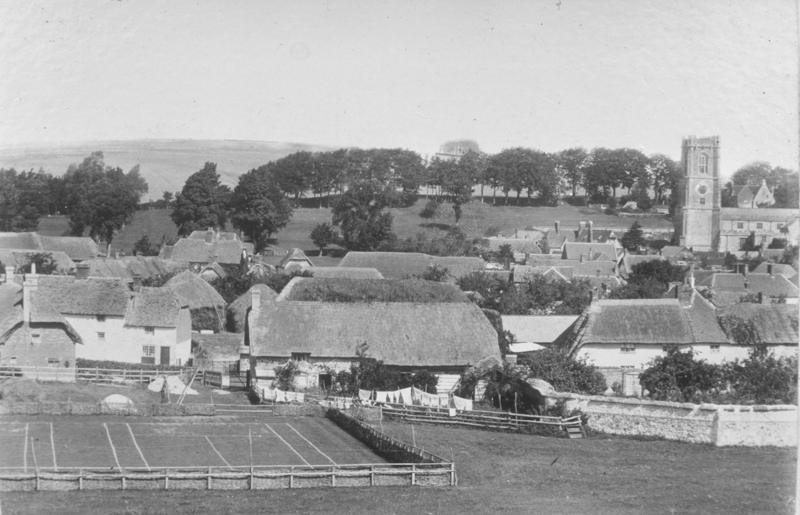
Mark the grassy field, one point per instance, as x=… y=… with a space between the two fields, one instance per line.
x=113 y=442
x=503 y=473
x=478 y=218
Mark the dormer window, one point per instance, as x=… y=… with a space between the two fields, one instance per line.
x=149 y=330
x=101 y=318
x=300 y=356
x=702 y=163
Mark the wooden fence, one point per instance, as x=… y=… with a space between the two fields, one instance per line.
x=92 y=375
x=229 y=478
x=490 y=419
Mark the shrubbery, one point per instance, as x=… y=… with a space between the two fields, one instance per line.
x=565 y=373
x=119 y=365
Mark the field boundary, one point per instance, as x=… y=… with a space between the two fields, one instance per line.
x=231 y=478
x=102 y=408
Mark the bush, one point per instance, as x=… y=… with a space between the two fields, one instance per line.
x=565 y=373
x=762 y=378
x=119 y=365
x=679 y=377
x=431 y=209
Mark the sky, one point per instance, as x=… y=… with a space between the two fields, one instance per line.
x=540 y=74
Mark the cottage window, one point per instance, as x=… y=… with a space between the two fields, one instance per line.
x=628 y=348
x=101 y=337
x=149 y=351
x=149 y=330
x=702 y=163
x=36 y=338
x=759 y=225
x=53 y=362
x=715 y=349
x=300 y=356
x=702 y=200
x=740 y=225
x=101 y=318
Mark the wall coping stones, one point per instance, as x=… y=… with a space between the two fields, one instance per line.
x=679 y=405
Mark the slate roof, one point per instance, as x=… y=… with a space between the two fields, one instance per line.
x=775 y=324
x=92 y=296
x=414 y=335
x=773 y=285
x=335 y=272
x=226 y=252
x=669 y=251
x=777 y=268
x=217 y=347
x=19 y=258
x=156 y=307
x=398 y=265
x=590 y=251
x=193 y=290
x=77 y=248
x=537 y=329
x=766 y=215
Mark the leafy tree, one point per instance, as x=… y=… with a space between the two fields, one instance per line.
x=665 y=174
x=294 y=172
x=633 y=237
x=473 y=164
x=763 y=378
x=44 y=262
x=436 y=273
x=101 y=198
x=545 y=297
x=785 y=183
x=571 y=163
x=661 y=271
x=259 y=209
x=360 y=213
x=790 y=256
x=564 y=373
x=648 y=288
x=611 y=169
x=323 y=235
x=489 y=286
x=202 y=203
x=24 y=198
x=457 y=183
x=679 y=377
x=327 y=172
x=143 y=247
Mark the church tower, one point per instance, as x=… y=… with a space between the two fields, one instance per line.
x=698 y=213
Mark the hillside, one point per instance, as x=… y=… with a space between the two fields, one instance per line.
x=164 y=164
x=476 y=221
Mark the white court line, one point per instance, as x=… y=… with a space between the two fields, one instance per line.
x=112 y=445
x=53 y=446
x=137 y=447
x=292 y=448
x=25 y=455
x=218 y=454
x=311 y=444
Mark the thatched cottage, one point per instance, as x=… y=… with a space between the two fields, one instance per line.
x=206 y=305
x=400 y=265
x=204 y=247
x=236 y=314
x=77 y=248
x=443 y=338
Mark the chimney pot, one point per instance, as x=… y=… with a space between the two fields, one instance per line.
x=81 y=271
x=557 y=225
x=9 y=273
x=591 y=231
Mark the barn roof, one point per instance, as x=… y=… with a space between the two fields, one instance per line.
x=294 y=255
x=775 y=324
x=92 y=296
x=777 y=268
x=537 y=329
x=335 y=272
x=195 y=291
x=126 y=267
x=156 y=307
x=398 y=333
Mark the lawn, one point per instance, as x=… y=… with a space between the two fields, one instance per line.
x=502 y=472
x=478 y=219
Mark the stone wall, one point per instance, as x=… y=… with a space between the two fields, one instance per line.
x=721 y=425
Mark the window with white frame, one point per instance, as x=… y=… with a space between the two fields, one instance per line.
x=36 y=338
x=149 y=351
x=714 y=349
x=300 y=356
x=53 y=362
x=149 y=330
x=101 y=337
x=740 y=225
x=702 y=163
x=759 y=225
x=628 y=348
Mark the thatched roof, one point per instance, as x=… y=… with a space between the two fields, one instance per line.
x=643 y=321
x=217 y=347
x=335 y=272
x=370 y=290
x=295 y=255
x=775 y=324
x=524 y=245
x=537 y=329
x=226 y=252
x=238 y=309
x=399 y=265
x=156 y=307
x=414 y=335
x=193 y=290
x=590 y=251
x=41 y=312
x=19 y=258
x=213 y=235
x=213 y=271
x=77 y=248
x=93 y=296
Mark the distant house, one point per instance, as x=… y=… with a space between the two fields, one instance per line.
x=442 y=338
x=728 y=288
x=399 y=265
x=677 y=254
x=533 y=332
x=77 y=248
x=126 y=268
x=335 y=272
x=295 y=261
x=32 y=332
x=236 y=314
x=630 y=333
x=207 y=307
x=749 y=196
x=20 y=258
x=159 y=325
x=591 y=252
x=213 y=246
x=775 y=268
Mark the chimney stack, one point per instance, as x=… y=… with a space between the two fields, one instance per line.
x=581 y=226
x=137 y=283
x=9 y=273
x=30 y=284
x=769 y=268
x=557 y=224
x=82 y=271
x=591 y=231
x=210 y=235
x=256 y=300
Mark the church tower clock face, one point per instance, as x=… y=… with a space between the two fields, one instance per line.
x=702 y=189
